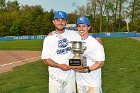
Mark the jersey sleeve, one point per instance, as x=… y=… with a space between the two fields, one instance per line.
x=99 y=53
x=46 y=51
x=96 y=51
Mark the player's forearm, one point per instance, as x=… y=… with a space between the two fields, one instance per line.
x=51 y=63
x=97 y=65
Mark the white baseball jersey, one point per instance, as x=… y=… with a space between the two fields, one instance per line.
x=57 y=48
x=94 y=52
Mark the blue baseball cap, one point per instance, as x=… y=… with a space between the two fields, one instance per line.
x=83 y=20
x=60 y=14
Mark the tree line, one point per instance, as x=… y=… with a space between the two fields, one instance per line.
x=18 y=20
x=112 y=15
x=105 y=16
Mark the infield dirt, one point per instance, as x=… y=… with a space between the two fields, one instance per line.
x=10 y=59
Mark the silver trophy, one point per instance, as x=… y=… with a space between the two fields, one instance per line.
x=78 y=61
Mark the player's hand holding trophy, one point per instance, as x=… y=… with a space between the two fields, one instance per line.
x=78 y=61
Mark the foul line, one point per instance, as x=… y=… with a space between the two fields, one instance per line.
x=19 y=61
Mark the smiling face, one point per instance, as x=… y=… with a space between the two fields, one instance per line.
x=83 y=30
x=60 y=25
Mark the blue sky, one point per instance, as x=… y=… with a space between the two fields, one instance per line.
x=64 y=5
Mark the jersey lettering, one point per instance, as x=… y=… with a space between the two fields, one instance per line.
x=63 y=46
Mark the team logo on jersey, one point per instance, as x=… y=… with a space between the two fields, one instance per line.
x=63 y=46
x=62 y=43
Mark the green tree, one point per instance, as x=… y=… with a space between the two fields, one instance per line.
x=15 y=29
x=13 y=6
x=30 y=23
x=72 y=18
x=2 y=4
x=2 y=29
x=47 y=20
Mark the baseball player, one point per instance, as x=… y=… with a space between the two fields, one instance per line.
x=56 y=54
x=89 y=79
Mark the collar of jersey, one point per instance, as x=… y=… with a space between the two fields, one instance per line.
x=54 y=32
x=85 y=38
x=60 y=36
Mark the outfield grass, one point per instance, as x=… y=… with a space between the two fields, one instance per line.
x=21 y=45
x=120 y=73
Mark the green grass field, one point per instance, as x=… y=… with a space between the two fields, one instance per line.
x=21 y=45
x=120 y=74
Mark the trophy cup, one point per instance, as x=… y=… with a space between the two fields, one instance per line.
x=78 y=61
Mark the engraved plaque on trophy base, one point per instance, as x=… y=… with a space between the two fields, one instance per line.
x=75 y=63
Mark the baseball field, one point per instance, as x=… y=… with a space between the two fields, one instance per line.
x=120 y=74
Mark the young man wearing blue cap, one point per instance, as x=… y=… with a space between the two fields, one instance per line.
x=56 y=54
x=89 y=79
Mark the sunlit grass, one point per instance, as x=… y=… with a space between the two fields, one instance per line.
x=29 y=78
x=21 y=45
